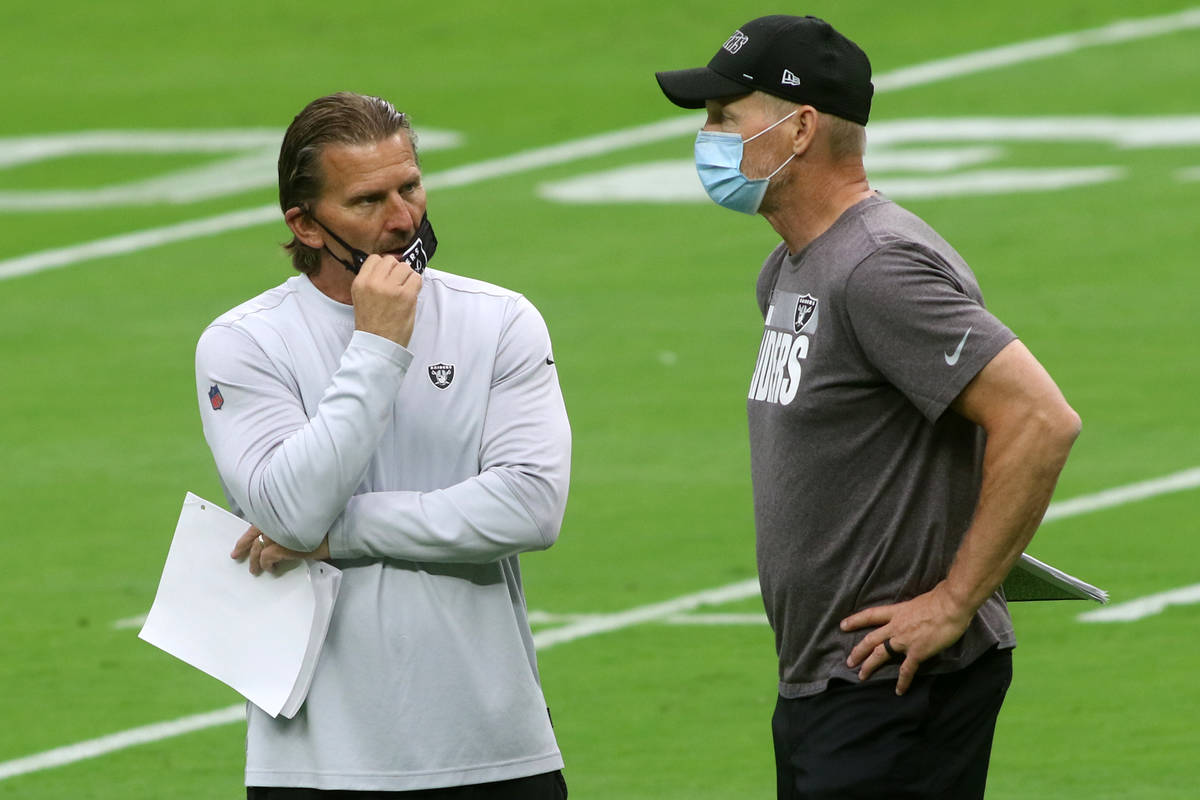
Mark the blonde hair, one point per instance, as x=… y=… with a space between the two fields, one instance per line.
x=846 y=139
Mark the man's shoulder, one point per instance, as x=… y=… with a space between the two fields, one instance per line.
x=270 y=303
x=266 y=321
x=877 y=231
x=453 y=284
x=884 y=224
x=456 y=295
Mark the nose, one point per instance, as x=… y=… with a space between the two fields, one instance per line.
x=713 y=122
x=403 y=216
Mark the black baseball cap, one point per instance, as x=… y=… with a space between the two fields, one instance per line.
x=801 y=59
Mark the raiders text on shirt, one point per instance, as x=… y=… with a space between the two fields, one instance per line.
x=791 y=321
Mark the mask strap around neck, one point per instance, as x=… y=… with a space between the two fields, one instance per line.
x=357 y=256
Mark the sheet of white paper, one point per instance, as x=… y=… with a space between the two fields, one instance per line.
x=326 y=580
x=1031 y=579
x=251 y=633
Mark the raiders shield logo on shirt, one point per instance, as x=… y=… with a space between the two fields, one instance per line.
x=441 y=374
x=806 y=310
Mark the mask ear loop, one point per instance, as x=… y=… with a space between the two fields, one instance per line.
x=781 y=166
x=358 y=256
x=755 y=136
x=764 y=130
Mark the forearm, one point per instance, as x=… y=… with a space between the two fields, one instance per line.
x=289 y=474
x=1022 y=461
x=514 y=504
x=296 y=492
x=496 y=514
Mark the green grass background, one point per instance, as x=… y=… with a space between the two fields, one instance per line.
x=101 y=438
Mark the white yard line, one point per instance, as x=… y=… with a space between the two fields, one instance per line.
x=580 y=625
x=920 y=75
x=584 y=625
x=130 y=622
x=1176 y=482
x=603 y=623
x=722 y=618
x=1126 y=30
x=1141 y=607
x=16 y=150
x=133 y=242
x=718 y=619
x=251 y=165
x=119 y=741
x=1144 y=607
x=521 y=162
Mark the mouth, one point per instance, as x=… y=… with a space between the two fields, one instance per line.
x=397 y=250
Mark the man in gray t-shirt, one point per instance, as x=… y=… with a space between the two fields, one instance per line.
x=904 y=443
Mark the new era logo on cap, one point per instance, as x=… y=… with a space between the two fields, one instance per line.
x=789 y=78
x=735 y=42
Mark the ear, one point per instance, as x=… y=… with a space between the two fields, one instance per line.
x=304 y=228
x=804 y=129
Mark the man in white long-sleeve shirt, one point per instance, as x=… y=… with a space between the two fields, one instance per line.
x=407 y=424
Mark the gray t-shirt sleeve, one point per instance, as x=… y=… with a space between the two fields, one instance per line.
x=921 y=324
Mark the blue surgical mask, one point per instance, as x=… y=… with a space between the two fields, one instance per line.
x=719 y=163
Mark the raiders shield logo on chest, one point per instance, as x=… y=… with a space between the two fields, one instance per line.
x=441 y=374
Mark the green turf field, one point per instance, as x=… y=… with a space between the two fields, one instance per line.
x=1068 y=175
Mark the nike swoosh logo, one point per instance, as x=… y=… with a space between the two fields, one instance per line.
x=549 y=361
x=951 y=360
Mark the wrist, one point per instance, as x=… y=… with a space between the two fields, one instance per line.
x=322 y=551
x=960 y=602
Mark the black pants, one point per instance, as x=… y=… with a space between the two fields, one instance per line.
x=547 y=786
x=858 y=741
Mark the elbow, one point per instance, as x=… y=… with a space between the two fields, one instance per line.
x=301 y=539
x=1067 y=425
x=295 y=532
x=1074 y=425
x=287 y=519
x=545 y=503
x=549 y=527
x=1057 y=427
x=546 y=514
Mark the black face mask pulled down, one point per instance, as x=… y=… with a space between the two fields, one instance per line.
x=418 y=253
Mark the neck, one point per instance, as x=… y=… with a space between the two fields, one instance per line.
x=810 y=204
x=333 y=279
